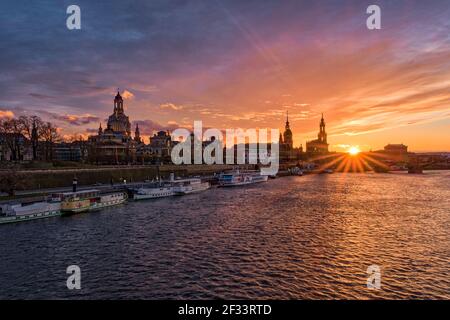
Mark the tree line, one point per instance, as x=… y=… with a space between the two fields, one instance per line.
x=16 y=133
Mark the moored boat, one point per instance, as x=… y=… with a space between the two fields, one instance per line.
x=191 y=185
x=86 y=200
x=75 y=202
x=416 y=170
x=238 y=178
x=10 y=213
x=296 y=171
x=108 y=200
x=152 y=191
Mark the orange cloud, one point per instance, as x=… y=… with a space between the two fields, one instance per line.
x=127 y=95
x=6 y=114
x=171 y=106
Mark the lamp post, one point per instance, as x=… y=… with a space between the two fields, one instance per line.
x=74 y=184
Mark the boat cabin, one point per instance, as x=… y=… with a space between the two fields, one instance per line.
x=68 y=196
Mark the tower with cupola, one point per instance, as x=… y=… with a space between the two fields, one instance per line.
x=287 y=135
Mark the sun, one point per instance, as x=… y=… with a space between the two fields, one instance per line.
x=353 y=150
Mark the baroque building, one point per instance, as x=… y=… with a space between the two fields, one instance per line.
x=320 y=145
x=115 y=145
x=287 y=150
x=159 y=149
x=394 y=152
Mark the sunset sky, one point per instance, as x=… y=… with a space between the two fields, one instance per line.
x=235 y=64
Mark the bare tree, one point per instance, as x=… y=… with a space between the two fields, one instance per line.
x=49 y=133
x=11 y=135
x=30 y=128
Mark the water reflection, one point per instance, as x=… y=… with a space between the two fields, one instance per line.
x=291 y=238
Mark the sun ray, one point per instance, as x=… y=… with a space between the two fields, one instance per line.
x=341 y=166
x=331 y=163
x=323 y=157
x=360 y=165
x=377 y=162
x=366 y=163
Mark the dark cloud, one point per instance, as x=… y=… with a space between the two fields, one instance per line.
x=40 y=96
x=77 y=120
x=230 y=54
x=70 y=119
x=148 y=127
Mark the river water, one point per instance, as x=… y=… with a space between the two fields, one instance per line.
x=310 y=237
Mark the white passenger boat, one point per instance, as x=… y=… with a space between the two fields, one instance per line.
x=108 y=200
x=153 y=192
x=238 y=178
x=191 y=185
x=17 y=212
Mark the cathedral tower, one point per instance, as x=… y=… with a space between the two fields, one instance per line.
x=322 y=133
x=287 y=135
x=137 y=134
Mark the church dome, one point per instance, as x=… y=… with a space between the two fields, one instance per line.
x=119 y=123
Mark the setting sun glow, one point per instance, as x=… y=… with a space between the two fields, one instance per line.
x=354 y=150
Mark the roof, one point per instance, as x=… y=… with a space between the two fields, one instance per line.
x=79 y=192
x=396 y=145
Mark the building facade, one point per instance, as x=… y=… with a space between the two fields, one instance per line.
x=67 y=152
x=158 y=151
x=320 y=145
x=288 y=152
x=396 y=148
x=394 y=153
x=115 y=145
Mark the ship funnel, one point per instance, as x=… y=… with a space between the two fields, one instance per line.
x=74 y=184
x=172 y=176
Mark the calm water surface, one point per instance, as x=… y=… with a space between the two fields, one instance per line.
x=305 y=237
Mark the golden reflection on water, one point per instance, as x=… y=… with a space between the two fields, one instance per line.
x=307 y=237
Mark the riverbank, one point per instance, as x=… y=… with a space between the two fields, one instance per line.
x=41 y=180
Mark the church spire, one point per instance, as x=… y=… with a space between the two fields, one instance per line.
x=322 y=134
x=137 y=134
x=287 y=119
x=287 y=134
x=100 y=129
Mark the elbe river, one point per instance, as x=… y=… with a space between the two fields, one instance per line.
x=310 y=237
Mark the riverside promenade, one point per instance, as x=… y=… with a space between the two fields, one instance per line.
x=36 y=184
